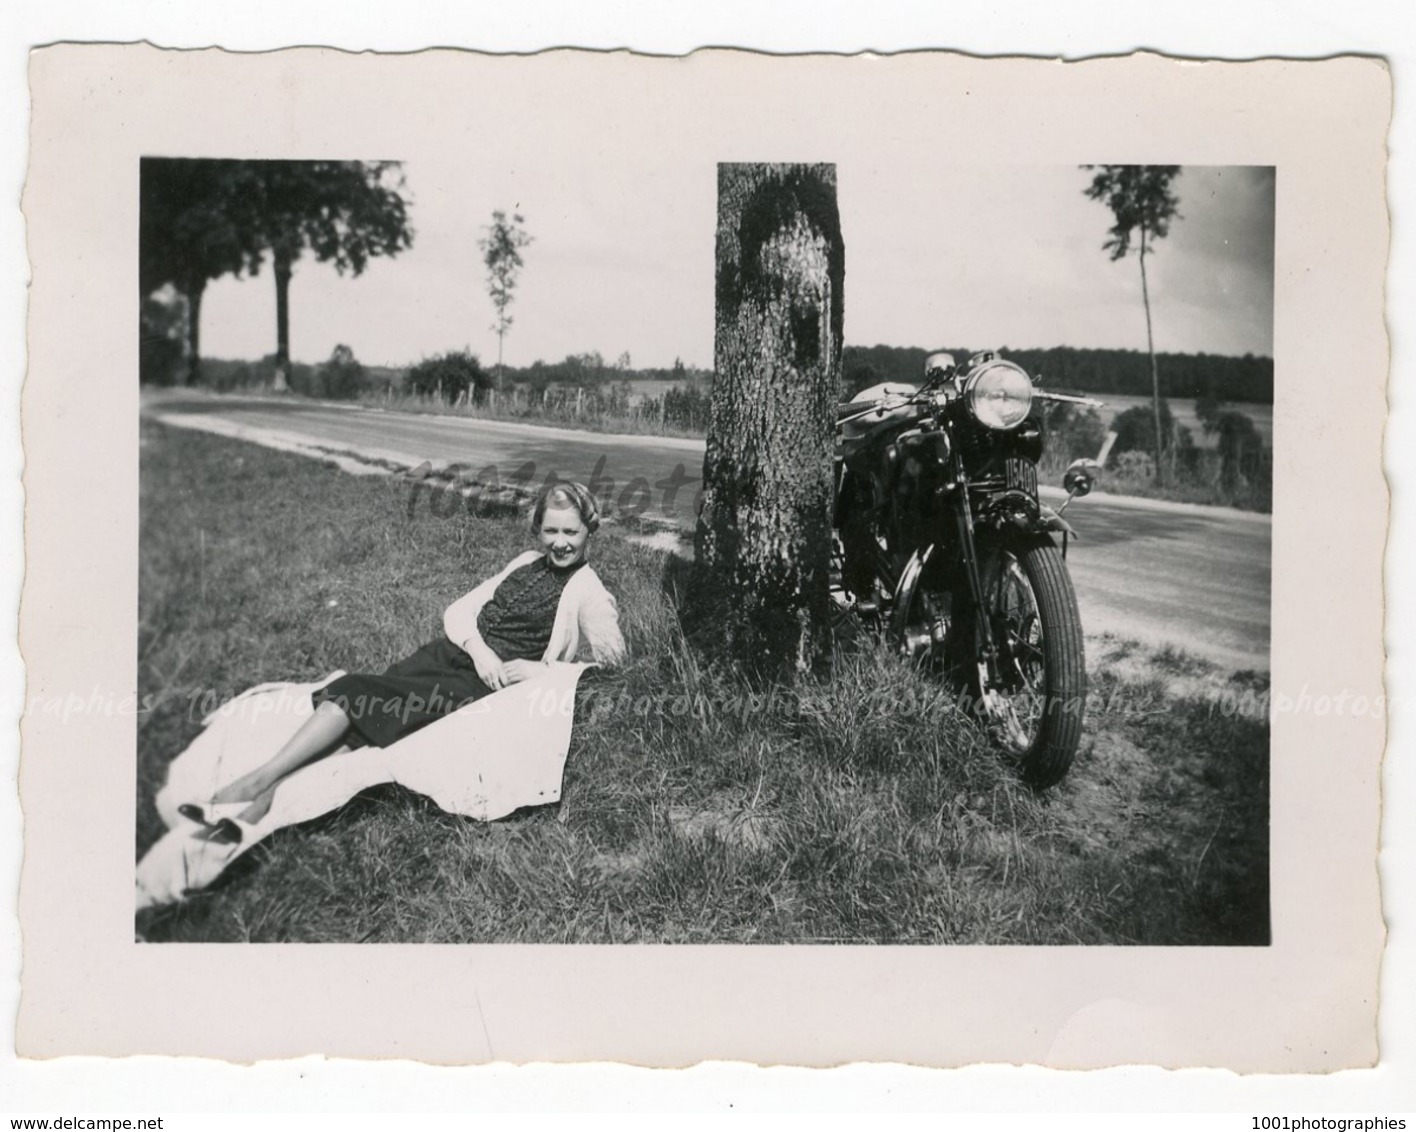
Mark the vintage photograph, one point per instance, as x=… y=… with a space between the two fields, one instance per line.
x=688 y=550
x=858 y=535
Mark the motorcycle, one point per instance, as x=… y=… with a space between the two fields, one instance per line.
x=941 y=540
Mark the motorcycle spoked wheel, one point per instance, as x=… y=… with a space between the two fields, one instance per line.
x=1032 y=609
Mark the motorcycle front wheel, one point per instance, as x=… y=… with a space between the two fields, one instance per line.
x=1038 y=698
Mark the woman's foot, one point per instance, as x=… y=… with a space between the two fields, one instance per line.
x=245 y=789
x=228 y=803
x=259 y=807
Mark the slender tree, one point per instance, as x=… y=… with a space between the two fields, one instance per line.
x=501 y=252
x=762 y=541
x=1141 y=201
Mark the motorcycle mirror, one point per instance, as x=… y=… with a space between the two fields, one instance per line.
x=1080 y=477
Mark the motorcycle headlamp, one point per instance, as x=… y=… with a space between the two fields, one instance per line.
x=999 y=394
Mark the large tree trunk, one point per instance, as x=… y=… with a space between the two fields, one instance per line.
x=194 y=292
x=763 y=537
x=283 y=261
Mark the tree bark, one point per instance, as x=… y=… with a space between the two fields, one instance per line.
x=762 y=542
x=283 y=264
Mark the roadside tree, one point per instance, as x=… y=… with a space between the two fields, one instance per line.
x=195 y=224
x=1141 y=201
x=501 y=252
x=342 y=212
x=762 y=541
x=202 y=218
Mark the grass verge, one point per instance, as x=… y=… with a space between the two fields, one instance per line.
x=863 y=807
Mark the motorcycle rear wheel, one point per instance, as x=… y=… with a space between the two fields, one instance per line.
x=1032 y=608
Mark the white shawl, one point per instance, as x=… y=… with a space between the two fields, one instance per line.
x=504 y=751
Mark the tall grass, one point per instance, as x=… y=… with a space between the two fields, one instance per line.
x=859 y=805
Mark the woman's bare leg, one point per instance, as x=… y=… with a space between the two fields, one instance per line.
x=317 y=734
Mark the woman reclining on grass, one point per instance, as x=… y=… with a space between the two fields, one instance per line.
x=508 y=629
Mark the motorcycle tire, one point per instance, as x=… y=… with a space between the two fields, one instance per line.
x=1060 y=660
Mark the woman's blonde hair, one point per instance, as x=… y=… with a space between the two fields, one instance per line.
x=566 y=493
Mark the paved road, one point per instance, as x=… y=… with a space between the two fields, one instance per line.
x=1197 y=578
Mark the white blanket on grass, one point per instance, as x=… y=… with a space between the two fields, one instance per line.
x=491 y=757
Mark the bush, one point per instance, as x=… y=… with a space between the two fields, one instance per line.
x=1074 y=431
x=342 y=378
x=1241 y=449
x=687 y=407
x=448 y=376
x=224 y=376
x=162 y=350
x=1135 y=428
x=160 y=360
x=1135 y=432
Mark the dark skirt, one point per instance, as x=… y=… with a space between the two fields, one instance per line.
x=435 y=681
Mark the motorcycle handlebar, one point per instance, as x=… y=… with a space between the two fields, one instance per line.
x=932 y=397
x=1068 y=398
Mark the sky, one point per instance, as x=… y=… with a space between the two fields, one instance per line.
x=937 y=252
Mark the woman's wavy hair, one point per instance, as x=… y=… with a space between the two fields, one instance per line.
x=566 y=493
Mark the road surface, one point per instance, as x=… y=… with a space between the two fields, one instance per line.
x=1193 y=577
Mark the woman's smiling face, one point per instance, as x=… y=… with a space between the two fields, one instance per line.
x=563 y=536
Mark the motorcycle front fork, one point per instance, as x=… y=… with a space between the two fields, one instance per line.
x=968 y=552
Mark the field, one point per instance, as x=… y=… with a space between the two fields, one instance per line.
x=1184 y=410
x=857 y=806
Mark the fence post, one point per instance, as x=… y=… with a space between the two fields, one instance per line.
x=579 y=400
